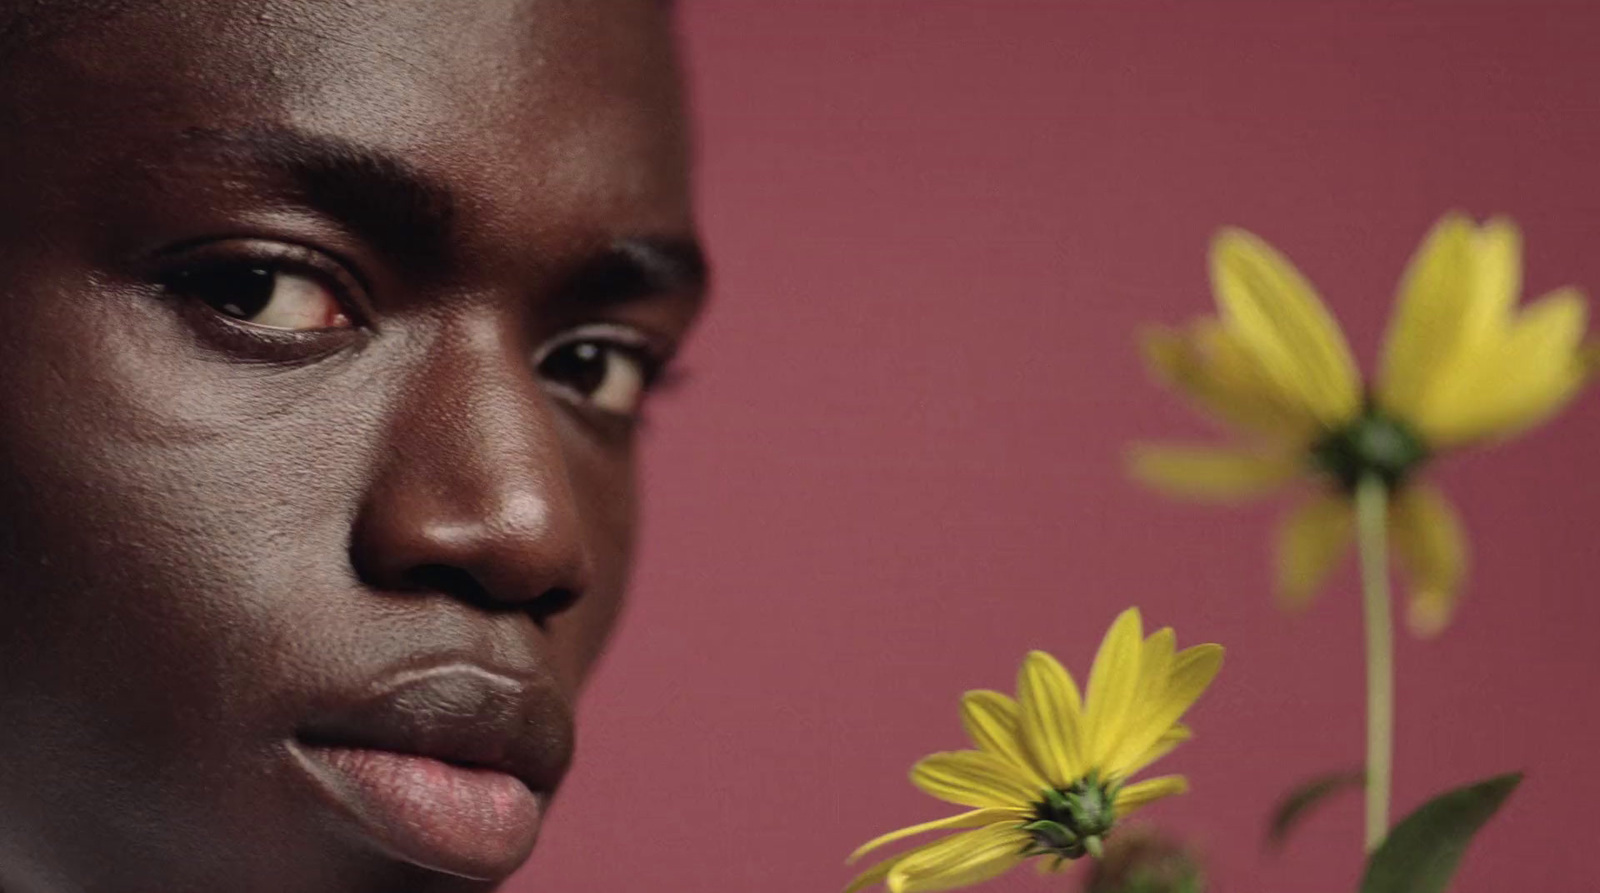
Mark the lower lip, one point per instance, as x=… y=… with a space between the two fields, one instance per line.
x=474 y=823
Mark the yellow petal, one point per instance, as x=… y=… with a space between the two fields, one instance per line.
x=1113 y=684
x=1514 y=381
x=994 y=723
x=1207 y=365
x=1163 y=746
x=1432 y=548
x=973 y=778
x=1311 y=542
x=1428 y=316
x=974 y=819
x=1497 y=280
x=1192 y=672
x=880 y=870
x=1052 y=718
x=1212 y=474
x=1137 y=795
x=960 y=860
x=1155 y=666
x=1155 y=661
x=1283 y=324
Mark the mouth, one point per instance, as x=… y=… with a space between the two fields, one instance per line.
x=449 y=768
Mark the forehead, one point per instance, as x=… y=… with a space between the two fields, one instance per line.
x=510 y=101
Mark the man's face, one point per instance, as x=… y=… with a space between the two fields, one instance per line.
x=323 y=330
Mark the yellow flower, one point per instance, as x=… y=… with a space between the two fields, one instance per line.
x=1461 y=366
x=1049 y=775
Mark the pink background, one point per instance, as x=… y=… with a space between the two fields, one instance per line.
x=937 y=226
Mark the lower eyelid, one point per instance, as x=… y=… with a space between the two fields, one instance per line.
x=241 y=342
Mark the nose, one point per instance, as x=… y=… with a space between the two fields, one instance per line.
x=472 y=497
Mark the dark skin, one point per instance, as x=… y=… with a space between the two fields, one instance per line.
x=325 y=331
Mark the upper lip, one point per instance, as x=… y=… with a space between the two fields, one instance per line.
x=459 y=713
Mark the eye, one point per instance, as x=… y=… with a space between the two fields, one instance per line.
x=262 y=293
x=600 y=372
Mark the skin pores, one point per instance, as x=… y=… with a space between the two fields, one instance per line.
x=324 y=330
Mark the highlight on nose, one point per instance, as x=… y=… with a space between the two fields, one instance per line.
x=522 y=551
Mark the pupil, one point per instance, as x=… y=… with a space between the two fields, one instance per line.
x=240 y=292
x=580 y=366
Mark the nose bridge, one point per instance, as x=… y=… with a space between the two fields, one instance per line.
x=473 y=490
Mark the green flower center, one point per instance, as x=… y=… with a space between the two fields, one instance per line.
x=1069 y=823
x=1374 y=444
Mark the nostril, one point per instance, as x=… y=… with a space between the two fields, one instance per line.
x=452 y=581
x=550 y=603
x=461 y=584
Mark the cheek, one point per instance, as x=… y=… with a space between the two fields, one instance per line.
x=166 y=560
x=163 y=543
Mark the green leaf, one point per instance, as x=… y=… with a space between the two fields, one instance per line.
x=1422 y=852
x=1298 y=803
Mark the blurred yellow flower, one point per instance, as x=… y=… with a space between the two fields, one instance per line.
x=1461 y=366
x=1049 y=775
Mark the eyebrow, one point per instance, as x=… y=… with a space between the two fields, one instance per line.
x=373 y=193
x=412 y=217
x=638 y=267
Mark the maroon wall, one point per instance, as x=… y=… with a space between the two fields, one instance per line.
x=895 y=468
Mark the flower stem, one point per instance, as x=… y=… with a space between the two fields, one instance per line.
x=1372 y=523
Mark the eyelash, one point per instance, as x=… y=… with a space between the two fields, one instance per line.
x=349 y=291
x=615 y=342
